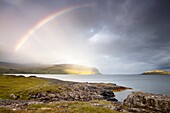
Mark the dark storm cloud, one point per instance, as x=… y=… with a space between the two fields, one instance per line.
x=143 y=28
x=156 y=23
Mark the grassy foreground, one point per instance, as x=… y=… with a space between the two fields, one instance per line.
x=19 y=85
x=66 y=107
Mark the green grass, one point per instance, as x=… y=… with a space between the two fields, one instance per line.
x=68 y=107
x=4 y=110
x=24 y=86
x=19 y=85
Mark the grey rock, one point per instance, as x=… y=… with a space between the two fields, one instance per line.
x=51 y=95
x=152 y=102
x=108 y=95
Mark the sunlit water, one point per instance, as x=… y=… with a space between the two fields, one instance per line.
x=159 y=84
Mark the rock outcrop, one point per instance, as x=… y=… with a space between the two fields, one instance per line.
x=153 y=103
x=79 y=92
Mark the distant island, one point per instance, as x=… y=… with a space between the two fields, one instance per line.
x=156 y=72
x=14 y=68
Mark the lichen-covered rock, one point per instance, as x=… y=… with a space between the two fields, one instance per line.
x=153 y=102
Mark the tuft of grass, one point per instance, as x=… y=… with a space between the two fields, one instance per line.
x=5 y=110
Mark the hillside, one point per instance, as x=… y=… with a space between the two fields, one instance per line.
x=156 y=72
x=13 y=68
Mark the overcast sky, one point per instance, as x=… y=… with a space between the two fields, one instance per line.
x=116 y=36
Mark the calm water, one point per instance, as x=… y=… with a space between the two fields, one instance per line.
x=159 y=84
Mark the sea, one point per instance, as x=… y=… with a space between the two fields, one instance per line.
x=157 y=84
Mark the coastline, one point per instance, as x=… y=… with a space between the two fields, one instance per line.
x=66 y=90
x=81 y=95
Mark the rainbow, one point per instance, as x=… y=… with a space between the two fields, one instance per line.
x=45 y=21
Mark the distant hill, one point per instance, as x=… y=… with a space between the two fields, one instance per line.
x=156 y=72
x=14 y=68
x=17 y=65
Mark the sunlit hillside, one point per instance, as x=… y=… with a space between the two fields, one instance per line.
x=49 y=69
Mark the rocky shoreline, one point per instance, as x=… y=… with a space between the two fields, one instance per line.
x=75 y=91
x=136 y=102
x=67 y=91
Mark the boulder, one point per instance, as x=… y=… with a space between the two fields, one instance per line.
x=108 y=95
x=153 y=102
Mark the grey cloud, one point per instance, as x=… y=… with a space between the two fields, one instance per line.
x=144 y=31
